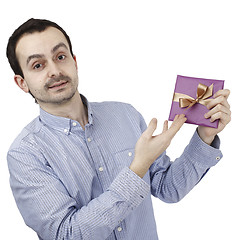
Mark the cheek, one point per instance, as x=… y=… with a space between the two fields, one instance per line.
x=72 y=72
x=35 y=81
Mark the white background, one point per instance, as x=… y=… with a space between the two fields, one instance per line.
x=132 y=51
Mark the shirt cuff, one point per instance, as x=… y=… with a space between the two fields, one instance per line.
x=202 y=154
x=130 y=187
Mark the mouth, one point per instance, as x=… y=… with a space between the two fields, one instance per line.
x=58 y=85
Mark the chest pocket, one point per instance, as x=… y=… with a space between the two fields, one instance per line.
x=123 y=159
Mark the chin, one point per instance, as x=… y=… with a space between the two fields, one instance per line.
x=60 y=99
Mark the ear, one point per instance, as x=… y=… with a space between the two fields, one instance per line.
x=21 y=83
x=76 y=65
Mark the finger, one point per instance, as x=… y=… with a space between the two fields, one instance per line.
x=165 y=127
x=176 y=125
x=218 y=100
x=151 y=128
x=223 y=92
x=216 y=109
x=176 y=117
x=223 y=117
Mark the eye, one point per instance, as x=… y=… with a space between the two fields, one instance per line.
x=61 y=57
x=37 y=66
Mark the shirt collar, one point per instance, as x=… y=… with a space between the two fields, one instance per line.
x=61 y=123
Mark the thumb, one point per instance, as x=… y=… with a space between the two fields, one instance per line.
x=151 y=128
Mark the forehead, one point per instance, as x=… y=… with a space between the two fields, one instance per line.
x=39 y=42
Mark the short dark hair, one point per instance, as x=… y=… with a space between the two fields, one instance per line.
x=30 y=26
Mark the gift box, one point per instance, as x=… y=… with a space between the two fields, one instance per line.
x=190 y=98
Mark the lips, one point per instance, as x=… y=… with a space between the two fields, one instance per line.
x=58 y=84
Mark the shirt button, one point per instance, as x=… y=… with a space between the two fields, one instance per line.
x=89 y=139
x=218 y=158
x=119 y=229
x=74 y=124
x=100 y=169
x=130 y=154
x=65 y=130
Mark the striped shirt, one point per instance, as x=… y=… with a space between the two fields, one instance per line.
x=71 y=183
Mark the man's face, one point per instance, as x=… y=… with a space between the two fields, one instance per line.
x=50 y=71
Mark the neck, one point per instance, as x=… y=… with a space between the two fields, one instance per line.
x=73 y=109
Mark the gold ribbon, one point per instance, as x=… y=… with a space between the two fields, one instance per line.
x=203 y=92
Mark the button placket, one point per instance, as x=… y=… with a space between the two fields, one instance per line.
x=97 y=157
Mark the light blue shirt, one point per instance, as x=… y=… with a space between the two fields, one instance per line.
x=71 y=183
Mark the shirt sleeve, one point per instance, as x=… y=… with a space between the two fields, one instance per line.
x=171 y=181
x=47 y=207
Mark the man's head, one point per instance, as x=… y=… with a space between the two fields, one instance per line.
x=40 y=54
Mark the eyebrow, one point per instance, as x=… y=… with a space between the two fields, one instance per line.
x=34 y=56
x=54 y=49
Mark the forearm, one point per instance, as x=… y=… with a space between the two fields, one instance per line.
x=139 y=168
x=208 y=139
x=48 y=209
x=171 y=181
x=103 y=214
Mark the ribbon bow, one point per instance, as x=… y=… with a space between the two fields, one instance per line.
x=203 y=92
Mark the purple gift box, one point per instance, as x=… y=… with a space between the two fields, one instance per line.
x=190 y=98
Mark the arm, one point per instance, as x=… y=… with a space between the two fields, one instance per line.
x=171 y=181
x=47 y=207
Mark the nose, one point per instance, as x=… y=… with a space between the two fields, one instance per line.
x=53 y=69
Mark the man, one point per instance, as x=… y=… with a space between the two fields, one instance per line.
x=86 y=170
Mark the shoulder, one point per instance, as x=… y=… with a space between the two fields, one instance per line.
x=113 y=106
x=27 y=134
x=117 y=114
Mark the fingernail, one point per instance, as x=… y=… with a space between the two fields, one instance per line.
x=206 y=115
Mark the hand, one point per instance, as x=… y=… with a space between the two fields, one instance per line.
x=148 y=148
x=219 y=109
